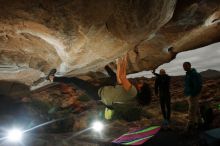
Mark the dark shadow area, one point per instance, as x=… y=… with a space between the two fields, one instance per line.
x=13 y=89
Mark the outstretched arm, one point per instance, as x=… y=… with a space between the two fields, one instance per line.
x=153 y=72
x=121 y=73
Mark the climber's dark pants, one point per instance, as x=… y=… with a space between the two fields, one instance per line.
x=88 y=88
x=165 y=106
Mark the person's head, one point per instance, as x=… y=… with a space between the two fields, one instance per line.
x=187 y=66
x=144 y=94
x=162 y=72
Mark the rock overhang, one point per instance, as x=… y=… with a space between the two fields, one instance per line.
x=78 y=37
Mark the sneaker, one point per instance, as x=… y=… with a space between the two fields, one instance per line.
x=51 y=73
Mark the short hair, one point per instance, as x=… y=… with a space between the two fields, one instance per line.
x=144 y=96
x=188 y=63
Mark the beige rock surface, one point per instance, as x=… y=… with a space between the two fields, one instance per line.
x=78 y=37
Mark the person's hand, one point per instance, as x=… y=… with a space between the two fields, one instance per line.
x=153 y=71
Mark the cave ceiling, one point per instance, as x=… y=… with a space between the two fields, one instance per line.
x=82 y=36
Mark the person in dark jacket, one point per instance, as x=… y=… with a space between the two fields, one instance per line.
x=162 y=89
x=192 y=90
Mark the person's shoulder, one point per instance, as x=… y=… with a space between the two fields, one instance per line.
x=167 y=76
x=194 y=72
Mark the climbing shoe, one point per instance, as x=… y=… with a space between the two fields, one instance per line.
x=51 y=73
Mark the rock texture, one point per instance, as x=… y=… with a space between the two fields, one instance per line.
x=80 y=36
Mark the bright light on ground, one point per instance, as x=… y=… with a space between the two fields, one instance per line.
x=14 y=135
x=98 y=126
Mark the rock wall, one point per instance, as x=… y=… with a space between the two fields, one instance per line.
x=77 y=37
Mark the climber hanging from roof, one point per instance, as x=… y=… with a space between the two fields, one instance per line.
x=121 y=91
